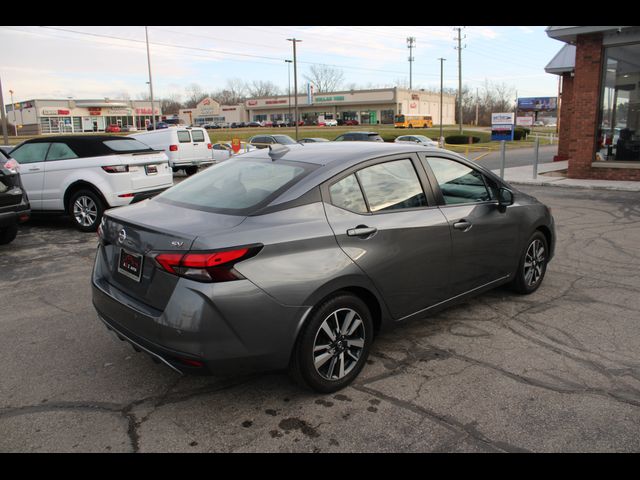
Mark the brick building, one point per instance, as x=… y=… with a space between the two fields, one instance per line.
x=599 y=100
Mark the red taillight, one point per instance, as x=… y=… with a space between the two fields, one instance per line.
x=173 y=148
x=126 y=195
x=209 y=146
x=116 y=168
x=12 y=166
x=206 y=267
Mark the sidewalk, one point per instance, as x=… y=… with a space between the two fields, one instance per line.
x=524 y=176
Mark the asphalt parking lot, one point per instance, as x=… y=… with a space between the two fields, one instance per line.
x=556 y=371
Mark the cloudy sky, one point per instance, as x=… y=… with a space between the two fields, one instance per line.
x=103 y=61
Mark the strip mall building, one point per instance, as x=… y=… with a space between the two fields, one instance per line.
x=40 y=116
x=599 y=119
x=368 y=107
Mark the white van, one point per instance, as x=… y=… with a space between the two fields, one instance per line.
x=187 y=147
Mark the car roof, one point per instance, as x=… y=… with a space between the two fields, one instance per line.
x=324 y=153
x=86 y=145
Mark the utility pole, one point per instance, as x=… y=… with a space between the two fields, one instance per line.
x=153 y=117
x=5 y=132
x=289 y=62
x=442 y=60
x=459 y=48
x=411 y=43
x=477 y=105
x=295 y=81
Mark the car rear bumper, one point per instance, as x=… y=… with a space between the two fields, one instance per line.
x=14 y=214
x=230 y=327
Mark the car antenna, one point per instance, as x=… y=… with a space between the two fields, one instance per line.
x=277 y=151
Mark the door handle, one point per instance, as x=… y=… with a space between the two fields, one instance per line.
x=463 y=225
x=34 y=169
x=361 y=231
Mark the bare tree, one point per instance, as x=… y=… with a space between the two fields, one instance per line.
x=194 y=94
x=234 y=92
x=325 y=78
x=263 y=89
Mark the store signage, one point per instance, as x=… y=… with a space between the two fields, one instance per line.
x=145 y=111
x=310 y=95
x=49 y=111
x=524 y=121
x=502 y=126
x=95 y=111
x=252 y=103
x=206 y=101
x=413 y=105
x=415 y=96
x=229 y=109
x=274 y=102
x=338 y=98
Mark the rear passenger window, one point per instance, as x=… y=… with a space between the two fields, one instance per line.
x=392 y=186
x=183 y=136
x=347 y=194
x=198 y=135
x=60 y=151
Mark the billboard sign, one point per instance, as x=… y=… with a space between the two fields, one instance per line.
x=539 y=104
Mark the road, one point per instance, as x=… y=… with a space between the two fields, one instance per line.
x=515 y=157
x=556 y=371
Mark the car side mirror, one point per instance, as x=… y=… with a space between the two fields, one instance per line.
x=505 y=198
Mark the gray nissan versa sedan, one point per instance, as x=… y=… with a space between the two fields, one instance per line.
x=296 y=256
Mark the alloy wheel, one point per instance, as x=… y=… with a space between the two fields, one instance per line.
x=338 y=344
x=85 y=211
x=534 y=262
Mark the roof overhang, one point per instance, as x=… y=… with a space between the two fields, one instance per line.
x=563 y=62
x=569 y=34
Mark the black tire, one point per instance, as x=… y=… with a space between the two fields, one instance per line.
x=8 y=234
x=532 y=268
x=190 y=170
x=302 y=367
x=93 y=207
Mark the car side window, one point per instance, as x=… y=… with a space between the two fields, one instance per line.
x=458 y=183
x=392 y=186
x=31 y=152
x=183 y=136
x=60 y=151
x=339 y=139
x=347 y=194
x=198 y=135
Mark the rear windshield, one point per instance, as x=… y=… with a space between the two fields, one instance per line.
x=238 y=187
x=126 y=145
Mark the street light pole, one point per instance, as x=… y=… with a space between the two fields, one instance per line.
x=295 y=81
x=15 y=118
x=442 y=60
x=289 y=62
x=153 y=117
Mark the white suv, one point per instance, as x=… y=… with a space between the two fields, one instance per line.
x=85 y=175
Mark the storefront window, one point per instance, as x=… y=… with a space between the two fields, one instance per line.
x=618 y=136
x=386 y=116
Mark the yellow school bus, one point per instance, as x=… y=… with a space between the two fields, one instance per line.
x=413 y=121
